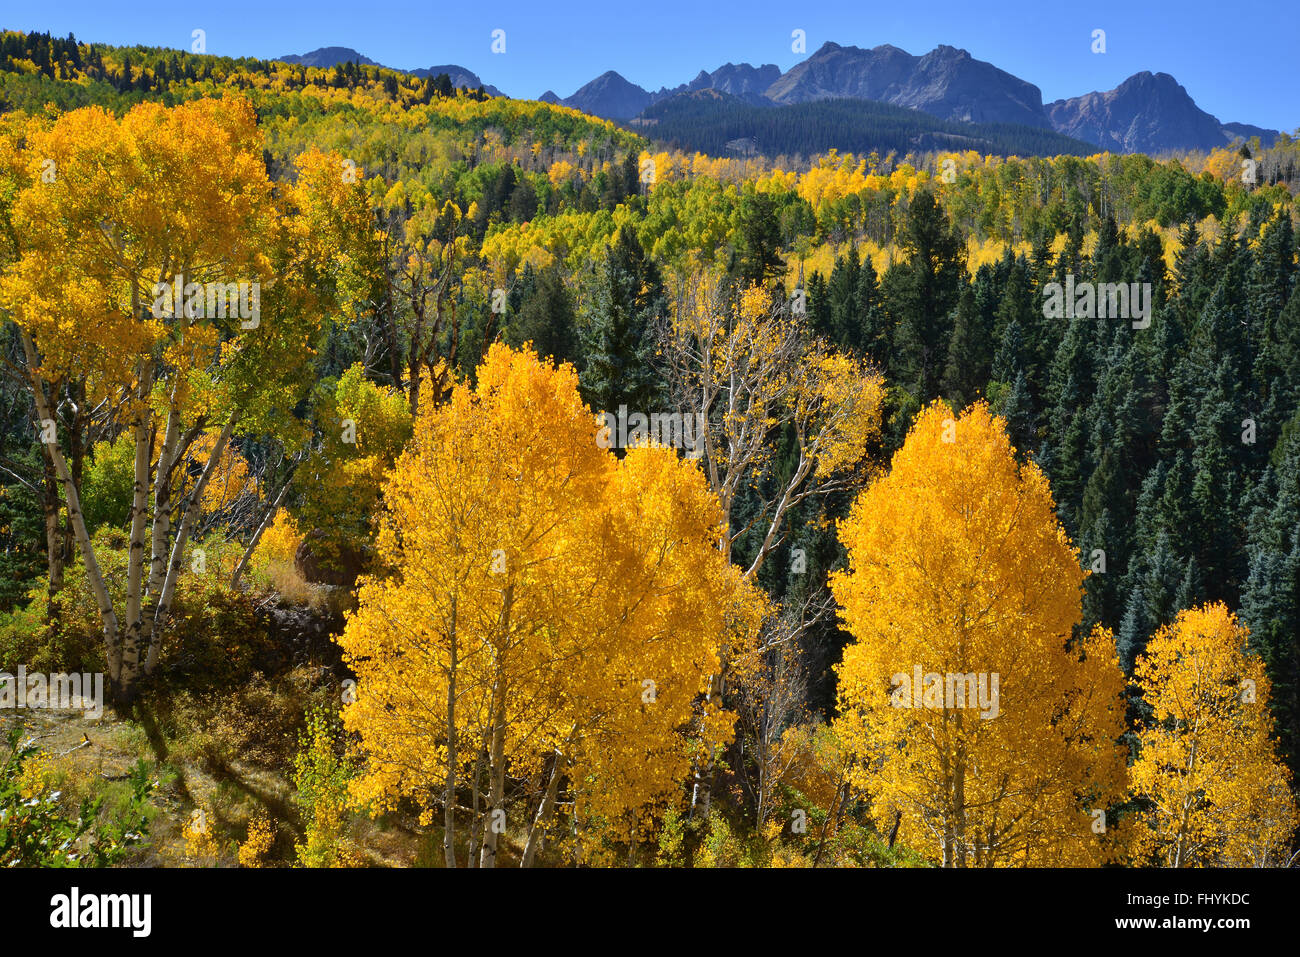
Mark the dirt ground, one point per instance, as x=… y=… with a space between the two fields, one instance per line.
x=90 y=757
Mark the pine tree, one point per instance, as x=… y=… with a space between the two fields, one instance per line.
x=1191 y=268
x=817 y=304
x=970 y=357
x=1152 y=601
x=1017 y=407
x=842 y=295
x=1277 y=369
x=543 y=313
x=758 y=242
x=1270 y=600
x=921 y=293
x=1216 y=491
x=872 y=321
x=617 y=331
x=1012 y=355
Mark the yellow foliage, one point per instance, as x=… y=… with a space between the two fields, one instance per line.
x=959 y=567
x=261 y=835
x=200 y=845
x=279 y=543
x=561 y=172
x=1218 y=794
x=575 y=601
x=36 y=775
x=87 y=303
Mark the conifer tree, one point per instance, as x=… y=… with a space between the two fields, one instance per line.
x=626 y=302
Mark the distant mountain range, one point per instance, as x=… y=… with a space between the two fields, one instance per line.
x=946 y=82
x=1147 y=113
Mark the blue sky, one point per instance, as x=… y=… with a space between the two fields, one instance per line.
x=1238 y=61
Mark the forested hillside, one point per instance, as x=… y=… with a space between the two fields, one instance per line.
x=712 y=122
x=443 y=479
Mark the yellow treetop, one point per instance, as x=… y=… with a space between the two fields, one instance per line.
x=970 y=713
x=547 y=604
x=1217 y=794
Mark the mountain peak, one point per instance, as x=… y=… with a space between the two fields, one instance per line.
x=947 y=82
x=610 y=95
x=1147 y=79
x=328 y=57
x=1147 y=113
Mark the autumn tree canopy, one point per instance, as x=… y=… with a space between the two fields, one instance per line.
x=959 y=573
x=182 y=294
x=1208 y=778
x=546 y=609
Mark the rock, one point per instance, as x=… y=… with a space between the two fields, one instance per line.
x=947 y=82
x=323 y=562
x=1147 y=113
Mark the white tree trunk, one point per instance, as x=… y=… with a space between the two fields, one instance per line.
x=108 y=617
x=178 y=546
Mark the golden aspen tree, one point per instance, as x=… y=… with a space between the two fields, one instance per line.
x=748 y=371
x=182 y=294
x=1214 y=792
x=363 y=427
x=661 y=607
x=979 y=729
x=15 y=128
x=746 y=368
x=543 y=608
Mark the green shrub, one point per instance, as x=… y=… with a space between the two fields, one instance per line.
x=108 y=486
x=36 y=830
x=29 y=636
x=211 y=639
x=321 y=775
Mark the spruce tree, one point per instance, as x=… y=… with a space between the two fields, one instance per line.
x=542 y=312
x=921 y=292
x=627 y=301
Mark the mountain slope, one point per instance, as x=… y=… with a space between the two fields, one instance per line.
x=1147 y=113
x=738 y=79
x=947 y=82
x=328 y=57
x=1245 y=130
x=717 y=123
x=610 y=96
x=614 y=97
x=459 y=77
